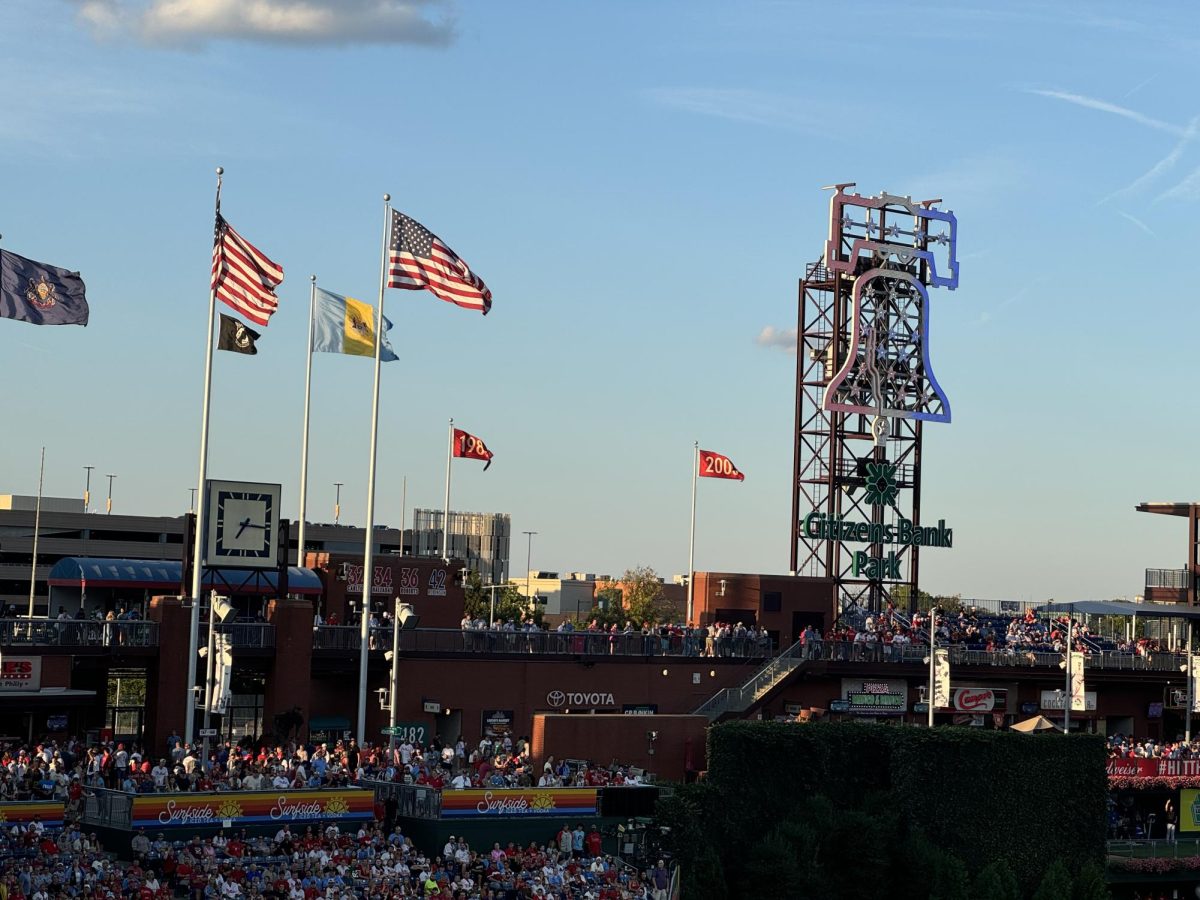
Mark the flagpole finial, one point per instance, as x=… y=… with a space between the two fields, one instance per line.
x=220 y=170
x=387 y=198
x=312 y=278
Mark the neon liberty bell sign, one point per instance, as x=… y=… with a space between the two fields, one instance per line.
x=894 y=250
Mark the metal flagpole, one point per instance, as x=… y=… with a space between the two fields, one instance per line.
x=1067 y=705
x=37 y=526
x=932 y=666
x=312 y=306
x=368 y=551
x=404 y=512
x=446 y=516
x=202 y=511
x=1191 y=691
x=692 y=539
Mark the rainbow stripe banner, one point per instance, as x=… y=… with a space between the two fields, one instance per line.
x=519 y=802
x=49 y=811
x=251 y=808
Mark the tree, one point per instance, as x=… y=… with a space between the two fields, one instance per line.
x=643 y=592
x=1091 y=884
x=510 y=602
x=1056 y=883
x=996 y=881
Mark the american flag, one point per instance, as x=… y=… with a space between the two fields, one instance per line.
x=242 y=277
x=418 y=260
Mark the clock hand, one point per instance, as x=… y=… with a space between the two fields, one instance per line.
x=249 y=524
x=245 y=523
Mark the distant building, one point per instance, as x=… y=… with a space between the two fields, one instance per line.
x=569 y=597
x=481 y=540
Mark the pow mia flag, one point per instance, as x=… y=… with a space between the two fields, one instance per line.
x=236 y=337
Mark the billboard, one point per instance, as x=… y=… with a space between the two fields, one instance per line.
x=519 y=802
x=251 y=808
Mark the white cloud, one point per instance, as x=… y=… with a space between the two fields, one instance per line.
x=1104 y=106
x=780 y=338
x=274 y=21
x=1163 y=165
x=1138 y=222
x=738 y=105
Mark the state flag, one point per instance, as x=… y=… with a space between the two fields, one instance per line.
x=40 y=294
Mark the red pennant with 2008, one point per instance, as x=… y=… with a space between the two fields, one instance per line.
x=468 y=446
x=714 y=465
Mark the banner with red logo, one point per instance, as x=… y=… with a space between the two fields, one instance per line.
x=714 y=465
x=974 y=700
x=1135 y=767
x=470 y=447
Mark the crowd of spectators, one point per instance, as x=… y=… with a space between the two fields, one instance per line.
x=377 y=861
x=720 y=639
x=1124 y=746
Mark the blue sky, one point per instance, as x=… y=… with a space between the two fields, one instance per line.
x=639 y=184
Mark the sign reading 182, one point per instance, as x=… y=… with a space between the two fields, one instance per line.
x=413 y=732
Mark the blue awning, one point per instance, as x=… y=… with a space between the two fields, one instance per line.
x=1122 y=608
x=164 y=575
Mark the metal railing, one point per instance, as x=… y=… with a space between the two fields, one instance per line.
x=77 y=633
x=739 y=698
x=1167 y=578
x=578 y=643
x=243 y=635
x=109 y=809
x=415 y=801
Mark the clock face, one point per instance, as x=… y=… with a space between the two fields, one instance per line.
x=243 y=524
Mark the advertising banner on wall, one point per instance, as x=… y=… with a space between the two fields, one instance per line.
x=941 y=679
x=20 y=673
x=1054 y=700
x=497 y=722
x=976 y=700
x=160 y=811
x=519 y=802
x=1189 y=810
x=50 y=812
x=875 y=696
x=1078 y=692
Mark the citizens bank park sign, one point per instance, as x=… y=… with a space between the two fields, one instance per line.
x=252 y=808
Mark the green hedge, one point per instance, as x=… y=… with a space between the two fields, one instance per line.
x=979 y=796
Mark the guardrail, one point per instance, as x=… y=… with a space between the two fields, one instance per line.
x=1167 y=578
x=108 y=809
x=412 y=800
x=846 y=651
x=243 y=635
x=77 y=633
x=578 y=643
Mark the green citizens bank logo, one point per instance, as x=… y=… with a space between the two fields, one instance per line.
x=881 y=484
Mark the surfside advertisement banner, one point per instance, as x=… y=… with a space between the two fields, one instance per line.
x=519 y=802
x=252 y=808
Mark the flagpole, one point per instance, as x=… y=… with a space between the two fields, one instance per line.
x=403 y=511
x=312 y=306
x=692 y=539
x=202 y=510
x=37 y=527
x=446 y=517
x=368 y=551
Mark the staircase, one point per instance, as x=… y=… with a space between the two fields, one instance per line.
x=740 y=699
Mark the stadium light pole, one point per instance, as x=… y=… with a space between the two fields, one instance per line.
x=337 y=501
x=108 y=505
x=528 y=557
x=87 y=488
x=192 y=501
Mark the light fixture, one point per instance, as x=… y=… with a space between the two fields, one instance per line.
x=406 y=617
x=665 y=672
x=387 y=655
x=223 y=610
x=712 y=673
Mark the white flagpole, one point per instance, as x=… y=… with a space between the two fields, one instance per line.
x=403 y=511
x=37 y=527
x=692 y=539
x=312 y=307
x=202 y=510
x=446 y=516
x=368 y=551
